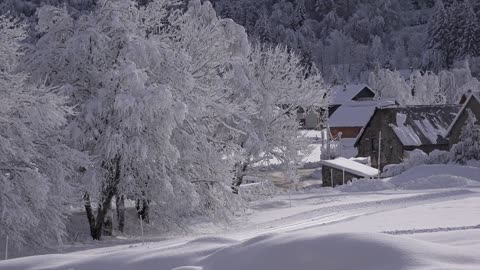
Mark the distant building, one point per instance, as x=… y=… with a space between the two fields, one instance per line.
x=351 y=117
x=342 y=94
x=339 y=95
x=405 y=129
x=471 y=102
x=342 y=170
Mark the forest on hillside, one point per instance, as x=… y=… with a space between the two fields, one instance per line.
x=347 y=40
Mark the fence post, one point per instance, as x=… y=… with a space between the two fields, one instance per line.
x=141 y=229
x=379 y=152
x=6 y=249
x=343 y=170
x=331 y=178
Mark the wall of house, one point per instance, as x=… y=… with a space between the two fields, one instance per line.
x=454 y=136
x=391 y=151
x=347 y=132
x=337 y=176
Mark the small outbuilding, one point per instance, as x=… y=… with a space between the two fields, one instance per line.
x=471 y=103
x=342 y=170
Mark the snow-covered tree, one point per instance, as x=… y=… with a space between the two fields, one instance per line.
x=282 y=85
x=390 y=84
x=426 y=89
x=219 y=102
x=263 y=27
x=127 y=112
x=35 y=165
x=469 y=146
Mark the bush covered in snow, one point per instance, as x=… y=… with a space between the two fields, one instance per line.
x=257 y=191
x=416 y=158
x=469 y=146
x=365 y=185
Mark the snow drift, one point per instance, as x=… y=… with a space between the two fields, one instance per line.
x=306 y=251
x=422 y=177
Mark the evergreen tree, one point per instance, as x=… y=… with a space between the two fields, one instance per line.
x=300 y=15
x=438 y=36
x=469 y=40
x=469 y=146
x=262 y=27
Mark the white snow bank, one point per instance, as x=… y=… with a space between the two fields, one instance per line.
x=351 y=166
x=306 y=251
x=436 y=181
x=422 y=177
x=366 y=185
x=426 y=176
x=338 y=252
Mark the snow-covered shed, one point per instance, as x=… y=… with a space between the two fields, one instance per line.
x=350 y=118
x=400 y=129
x=341 y=94
x=472 y=103
x=342 y=170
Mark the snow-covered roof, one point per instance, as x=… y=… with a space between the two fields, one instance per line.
x=347 y=116
x=418 y=125
x=351 y=166
x=357 y=113
x=423 y=125
x=475 y=95
x=344 y=93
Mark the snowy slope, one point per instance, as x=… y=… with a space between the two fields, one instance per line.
x=321 y=229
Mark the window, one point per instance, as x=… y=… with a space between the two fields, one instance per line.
x=373 y=144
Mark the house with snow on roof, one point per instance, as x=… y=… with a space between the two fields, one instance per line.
x=472 y=103
x=340 y=95
x=395 y=131
x=350 y=118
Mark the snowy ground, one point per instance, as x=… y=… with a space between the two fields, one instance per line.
x=396 y=228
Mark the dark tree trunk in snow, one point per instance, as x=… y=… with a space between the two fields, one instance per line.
x=240 y=169
x=90 y=215
x=110 y=189
x=120 y=203
x=143 y=210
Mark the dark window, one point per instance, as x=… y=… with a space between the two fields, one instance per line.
x=373 y=144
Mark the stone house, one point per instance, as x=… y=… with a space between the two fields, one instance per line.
x=472 y=103
x=401 y=129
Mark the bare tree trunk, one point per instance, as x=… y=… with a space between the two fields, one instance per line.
x=143 y=210
x=90 y=215
x=240 y=169
x=120 y=203
x=96 y=224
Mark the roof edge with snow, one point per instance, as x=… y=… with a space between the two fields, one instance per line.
x=351 y=166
